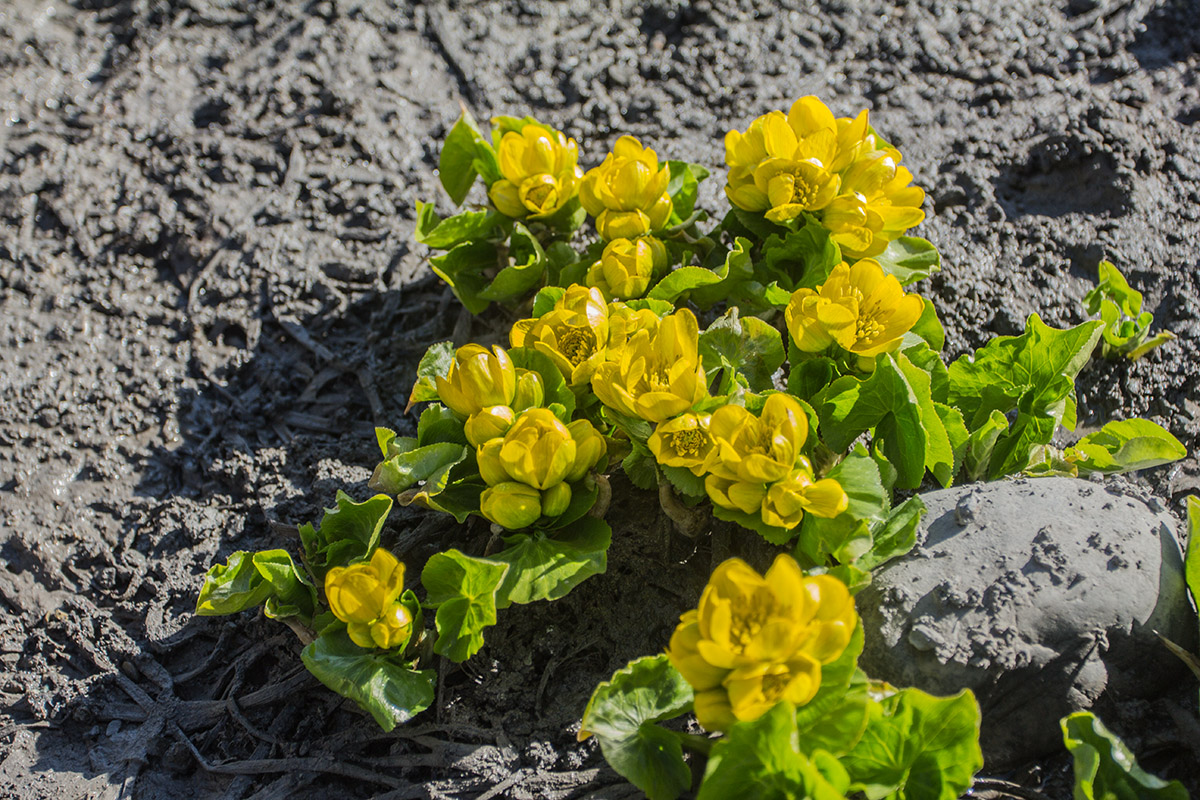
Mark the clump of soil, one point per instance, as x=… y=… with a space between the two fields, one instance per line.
x=208 y=298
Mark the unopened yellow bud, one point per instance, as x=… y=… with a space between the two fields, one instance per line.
x=627 y=194
x=627 y=267
x=511 y=505
x=539 y=171
x=538 y=449
x=531 y=391
x=478 y=378
x=590 y=448
x=487 y=457
x=556 y=499
x=489 y=423
x=366 y=597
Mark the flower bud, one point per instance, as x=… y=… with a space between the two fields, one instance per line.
x=489 y=423
x=487 y=457
x=366 y=597
x=590 y=448
x=538 y=449
x=627 y=194
x=512 y=505
x=556 y=499
x=627 y=267
x=539 y=172
x=477 y=379
x=531 y=391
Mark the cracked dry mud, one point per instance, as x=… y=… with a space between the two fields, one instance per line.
x=208 y=297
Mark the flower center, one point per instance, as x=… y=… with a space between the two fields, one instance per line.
x=577 y=344
x=867 y=326
x=541 y=196
x=689 y=443
x=749 y=617
x=773 y=685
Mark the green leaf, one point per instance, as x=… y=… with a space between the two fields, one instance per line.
x=706 y=286
x=929 y=328
x=621 y=715
x=546 y=298
x=910 y=259
x=247 y=581
x=660 y=308
x=463 y=269
x=896 y=536
x=443 y=234
x=918 y=747
x=1112 y=286
x=981 y=443
x=762 y=759
x=808 y=376
x=745 y=347
x=641 y=466
x=456 y=167
x=400 y=472
x=1032 y=374
x=1105 y=768
x=463 y=589
x=1126 y=445
x=800 y=258
x=348 y=532
x=847 y=536
x=895 y=401
x=440 y=425
x=1192 y=561
x=434 y=364
x=842 y=722
x=685 y=180
x=388 y=690
x=688 y=483
x=547 y=567
x=526 y=271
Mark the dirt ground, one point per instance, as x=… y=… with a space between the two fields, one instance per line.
x=209 y=296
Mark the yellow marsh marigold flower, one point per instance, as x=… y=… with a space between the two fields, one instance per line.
x=627 y=194
x=876 y=205
x=785 y=165
x=540 y=172
x=756 y=640
x=538 y=449
x=657 y=375
x=860 y=308
x=367 y=598
x=531 y=391
x=788 y=500
x=511 y=504
x=761 y=449
x=574 y=334
x=683 y=442
x=623 y=323
x=627 y=266
x=478 y=378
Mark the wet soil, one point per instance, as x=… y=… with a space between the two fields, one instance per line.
x=208 y=298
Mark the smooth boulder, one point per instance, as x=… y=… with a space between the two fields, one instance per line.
x=1041 y=595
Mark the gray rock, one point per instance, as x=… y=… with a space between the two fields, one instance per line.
x=1039 y=595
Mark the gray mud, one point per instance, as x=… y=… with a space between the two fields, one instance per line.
x=208 y=297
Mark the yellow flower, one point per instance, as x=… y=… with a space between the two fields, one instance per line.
x=783 y=165
x=590 y=448
x=861 y=308
x=757 y=450
x=755 y=640
x=627 y=194
x=627 y=266
x=538 y=450
x=658 y=375
x=511 y=504
x=477 y=379
x=789 y=499
x=876 y=205
x=366 y=597
x=488 y=423
x=754 y=690
x=745 y=496
x=682 y=442
x=487 y=457
x=540 y=172
x=574 y=334
x=623 y=323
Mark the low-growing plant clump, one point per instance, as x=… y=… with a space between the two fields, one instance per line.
x=773 y=369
